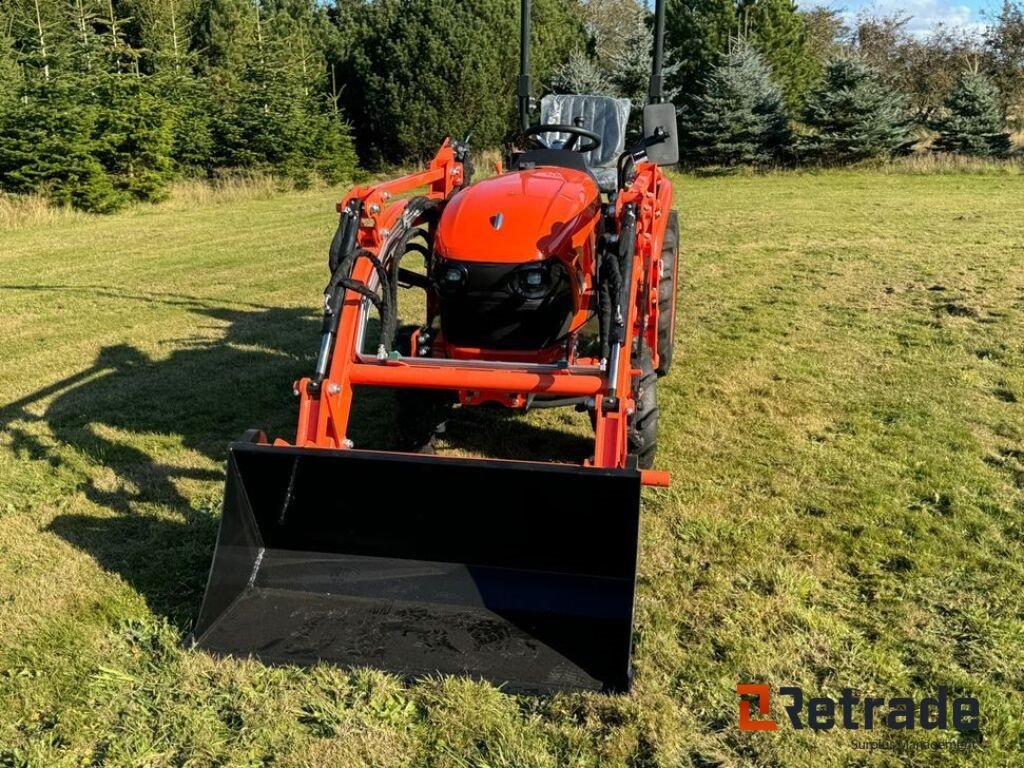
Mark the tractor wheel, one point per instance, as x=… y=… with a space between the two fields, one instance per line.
x=418 y=412
x=668 y=287
x=643 y=429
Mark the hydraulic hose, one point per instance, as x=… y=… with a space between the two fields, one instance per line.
x=617 y=336
x=342 y=258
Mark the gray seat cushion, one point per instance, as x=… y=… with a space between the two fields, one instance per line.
x=604 y=115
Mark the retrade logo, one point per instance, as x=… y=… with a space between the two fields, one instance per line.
x=850 y=712
x=763 y=693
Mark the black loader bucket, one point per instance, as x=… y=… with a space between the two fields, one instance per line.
x=515 y=572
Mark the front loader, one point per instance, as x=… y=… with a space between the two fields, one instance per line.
x=550 y=284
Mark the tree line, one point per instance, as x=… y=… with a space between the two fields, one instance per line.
x=838 y=93
x=104 y=102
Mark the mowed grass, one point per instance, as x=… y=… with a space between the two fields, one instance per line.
x=844 y=424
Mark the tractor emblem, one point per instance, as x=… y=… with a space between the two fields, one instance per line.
x=497 y=220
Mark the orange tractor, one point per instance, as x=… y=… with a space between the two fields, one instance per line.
x=550 y=284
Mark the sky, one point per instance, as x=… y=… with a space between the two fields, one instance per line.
x=926 y=14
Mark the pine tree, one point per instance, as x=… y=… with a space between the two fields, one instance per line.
x=581 y=74
x=48 y=146
x=10 y=72
x=276 y=115
x=134 y=136
x=975 y=121
x=777 y=29
x=449 y=70
x=739 y=118
x=225 y=36
x=631 y=65
x=697 y=32
x=854 y=116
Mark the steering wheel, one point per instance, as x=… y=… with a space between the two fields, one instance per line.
x=575 y=134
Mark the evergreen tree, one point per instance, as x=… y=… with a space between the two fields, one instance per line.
x=581 y=74
x=164 y=30
x=40 y=30
x=10 y=72
x=272 y=115
x=86 y=44
x=193 y=109
x=697 y=32
x=225 y=36
x=48 y=145
x=739 y=118
x=134 y=137
x=854 y=115
x=631 y=65
x=777 y=29
x=422 y=70
x=975 y=121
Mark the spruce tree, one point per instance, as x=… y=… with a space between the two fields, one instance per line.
x=422 y=70
x=581 y=74
x=225 y=36
x=164 y=30
x=274 y=113
x=48 y=146
x=975 y=122
x=697 y=32
x=777 y=29
x=739 y=117
x=10 y=72
x=854 y=115
x=631 y=64
x=134 y=136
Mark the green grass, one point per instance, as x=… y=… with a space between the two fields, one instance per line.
x=844 y=424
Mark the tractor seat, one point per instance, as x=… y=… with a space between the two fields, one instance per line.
x=604 y=115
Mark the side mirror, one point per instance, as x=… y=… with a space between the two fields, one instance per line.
x=661 y=134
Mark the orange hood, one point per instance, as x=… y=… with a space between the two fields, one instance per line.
x=517 y=217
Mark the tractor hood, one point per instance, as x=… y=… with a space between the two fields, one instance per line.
x=517 y=217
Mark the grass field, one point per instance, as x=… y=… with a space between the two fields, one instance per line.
x=844 y=424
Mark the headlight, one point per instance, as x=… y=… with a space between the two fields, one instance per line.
x=450 y=278
x=535 y=281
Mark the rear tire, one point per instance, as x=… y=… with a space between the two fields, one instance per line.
x=643 y=428
x=668 y=289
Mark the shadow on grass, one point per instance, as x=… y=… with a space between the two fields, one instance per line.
x=130 y=415
x=128 y=412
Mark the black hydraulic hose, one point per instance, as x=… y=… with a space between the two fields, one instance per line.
x=399 y=250
x=627 y=250
x=617 y=337
x=416 y=209
x=608 y=280
x=339 y=259
x=344 y=242
x=343 y=256
x=334 y=297
x=604 y=318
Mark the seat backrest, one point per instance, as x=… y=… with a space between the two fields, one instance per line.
x=604 y=115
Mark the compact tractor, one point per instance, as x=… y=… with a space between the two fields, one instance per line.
x=552 y=283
